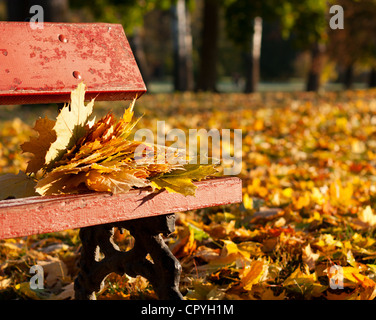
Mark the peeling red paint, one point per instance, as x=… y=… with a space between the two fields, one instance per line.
x=42 y=58
x=22 y=217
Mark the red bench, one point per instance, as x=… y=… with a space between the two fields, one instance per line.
x=43 y=66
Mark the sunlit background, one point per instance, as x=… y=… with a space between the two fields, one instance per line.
x=228 y=45
x=300 y=91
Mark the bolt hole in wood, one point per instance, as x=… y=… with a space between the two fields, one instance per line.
x=77 y=75
x=63 y=38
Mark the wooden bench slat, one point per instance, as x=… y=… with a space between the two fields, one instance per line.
x=35 y=215
x=45 y=65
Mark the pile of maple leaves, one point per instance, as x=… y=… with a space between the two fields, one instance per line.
x=72 y=155
x=309 y=200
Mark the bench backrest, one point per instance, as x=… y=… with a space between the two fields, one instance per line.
x=44 y=65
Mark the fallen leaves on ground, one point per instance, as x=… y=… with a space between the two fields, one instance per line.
x=309 y=192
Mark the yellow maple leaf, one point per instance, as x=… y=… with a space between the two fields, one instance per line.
x=304 y=283
x=70 y=124
x=115 y=182
x=175 y=185
x=41 y=144
x=252 y=274
x=309 y=258
x=287 y=192
x=327 y=242
x=340 y=195
x=317 y=196
x=247 y=201
x=351 y=277
x=230 y=253
x=16 y=186
x=56 y=183
x=302 y=201
x=180 y=181
x=56 y=137
x=128 y=113
x=256 y=189
x=367 y=216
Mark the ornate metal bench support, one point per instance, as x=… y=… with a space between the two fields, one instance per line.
x=163 y=272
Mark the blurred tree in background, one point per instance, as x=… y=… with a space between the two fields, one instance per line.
x=356 y=43
x=198 y=44
x=310 y=25
x=54 y=10
x=209 y=46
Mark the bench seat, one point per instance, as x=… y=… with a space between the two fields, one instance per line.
x=35 y=215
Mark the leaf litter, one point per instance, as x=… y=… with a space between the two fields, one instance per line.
x=309 y=201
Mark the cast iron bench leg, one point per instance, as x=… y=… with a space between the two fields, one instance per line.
x=163 y=272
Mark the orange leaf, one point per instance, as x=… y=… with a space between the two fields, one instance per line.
x=253 y=274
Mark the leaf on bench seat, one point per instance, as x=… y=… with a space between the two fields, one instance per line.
x=39 y=146
x=70 y=124
x=78 y=155
x=115 y=182
x=16 y=186
x=55 y=137
x=180 y=181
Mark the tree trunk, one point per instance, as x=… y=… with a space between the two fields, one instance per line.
x=209 y=48
x=182 y=44
x=253 y=58
x=349 y=76
x=17 y=10
x=372 y=78
x=136 y=42
x=54 y=10
x=317 y=64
